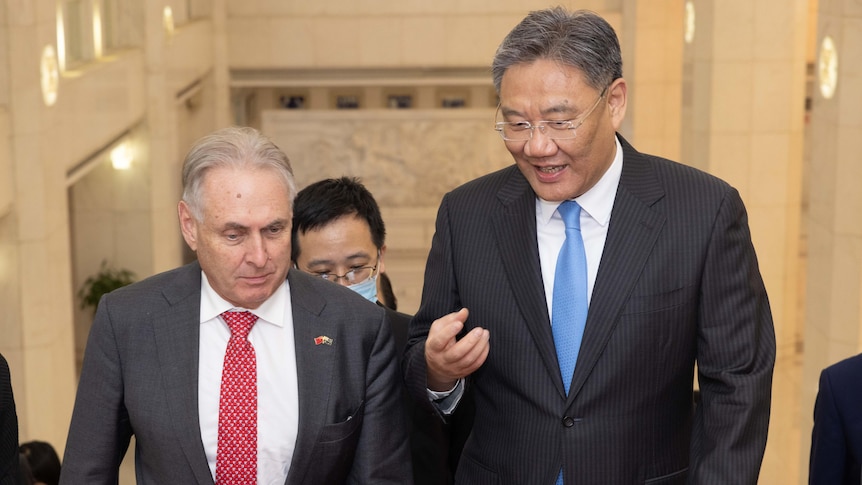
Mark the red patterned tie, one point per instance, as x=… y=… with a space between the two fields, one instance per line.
x=236 y=459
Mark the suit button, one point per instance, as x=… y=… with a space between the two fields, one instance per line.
x=568 y=421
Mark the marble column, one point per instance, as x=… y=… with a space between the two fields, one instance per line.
x=743 y=103
x=35 y=273
x=652 y=42
x=833 y=316
x=743 y=120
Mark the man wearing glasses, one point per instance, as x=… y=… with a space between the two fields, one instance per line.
x=339 y=235
x=574 y=292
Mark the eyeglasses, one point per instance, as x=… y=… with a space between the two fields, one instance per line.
x=355 y=275
x=555 y=130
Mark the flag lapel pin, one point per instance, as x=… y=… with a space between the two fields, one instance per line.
x=323 y=339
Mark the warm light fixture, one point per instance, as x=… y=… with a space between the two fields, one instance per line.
x=121 y=156
x=689 y=22
x=97 y=29
x=827 y=67
x=50 y=75
x=168 y=21
x=61 y=38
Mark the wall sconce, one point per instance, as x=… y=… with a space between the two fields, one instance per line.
x=121 y=156
x=168 y=22
x=50 y=75
x=98 y=42
x=689 y=22
x=827 y=67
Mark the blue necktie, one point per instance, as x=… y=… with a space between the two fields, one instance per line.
x=569 y=312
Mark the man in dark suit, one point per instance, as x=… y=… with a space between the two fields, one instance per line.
x=667 y=271
x=836 y=440
x=339 y=235
x=8 y=428
x=316 y=400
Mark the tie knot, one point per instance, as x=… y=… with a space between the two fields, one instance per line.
x=570 y=211
x=240 y=323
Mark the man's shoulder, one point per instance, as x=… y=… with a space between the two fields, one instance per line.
x=670 y=172
x=480 y=195
x=490 y=182
x=397 y=317
x=847 y=369
x=174 y=283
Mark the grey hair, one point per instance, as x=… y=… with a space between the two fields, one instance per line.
x=237 y=147
x=579 y=39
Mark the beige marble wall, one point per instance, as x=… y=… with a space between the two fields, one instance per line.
x=142 y=90
x=36 y=297
x=743 y=121
x=833 y=318
x=377 y=33
x=745 y=125
x=652 y=43
x=109 y=218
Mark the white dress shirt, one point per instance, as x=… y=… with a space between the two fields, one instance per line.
x=596 y=206
x=277 y=388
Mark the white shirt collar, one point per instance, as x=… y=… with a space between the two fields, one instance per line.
x=272 y=310
x=598 y=202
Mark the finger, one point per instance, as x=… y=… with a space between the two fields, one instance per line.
x=474 y=355
x=443 y=331
x=467 y=344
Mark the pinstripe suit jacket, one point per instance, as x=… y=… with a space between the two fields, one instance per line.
x=8 y=429
x=140 y=376
x=678 y=283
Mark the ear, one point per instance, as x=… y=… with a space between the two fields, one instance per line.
x=617 y=96
x=188 y=225
x=381 y=265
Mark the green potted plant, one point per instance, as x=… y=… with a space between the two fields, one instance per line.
x=105 y=281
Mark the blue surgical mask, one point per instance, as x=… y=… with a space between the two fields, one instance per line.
x=368 y=289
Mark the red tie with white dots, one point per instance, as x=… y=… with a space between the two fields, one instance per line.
x=236 y=458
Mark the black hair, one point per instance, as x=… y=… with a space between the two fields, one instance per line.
x=322 y=202
x=43 y=461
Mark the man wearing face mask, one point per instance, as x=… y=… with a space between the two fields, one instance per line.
x=339 y=235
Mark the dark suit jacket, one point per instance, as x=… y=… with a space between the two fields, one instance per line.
x=140 y=376
x=435 y=446
x=678 y=283
x=836 y=441
x=8 y=428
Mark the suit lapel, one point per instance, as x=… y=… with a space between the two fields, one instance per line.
x=514 y=225
x=177 y=335
x=634 y=228
x=314 y=363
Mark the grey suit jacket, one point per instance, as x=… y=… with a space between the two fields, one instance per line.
x=678 y=283
x=140 y=377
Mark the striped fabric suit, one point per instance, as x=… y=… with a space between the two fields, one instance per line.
x=678 y=282
x=8 y=429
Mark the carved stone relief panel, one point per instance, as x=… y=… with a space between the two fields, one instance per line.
x=406 y=158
